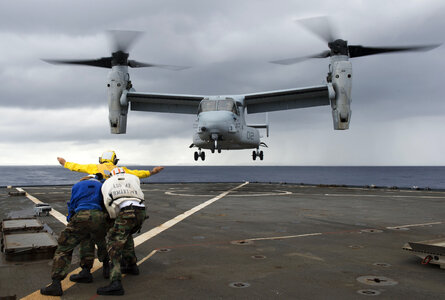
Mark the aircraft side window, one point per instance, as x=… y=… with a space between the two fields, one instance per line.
x=235 y=109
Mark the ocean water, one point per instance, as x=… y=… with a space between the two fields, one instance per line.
x=402 y=177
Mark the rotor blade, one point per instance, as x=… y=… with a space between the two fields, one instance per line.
x=321 y=26
x=137 y=64
x=104 y=62
x=290 y=61
x=122 y=40
x=358 y=50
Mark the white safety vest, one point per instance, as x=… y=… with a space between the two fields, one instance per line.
x=120 y=188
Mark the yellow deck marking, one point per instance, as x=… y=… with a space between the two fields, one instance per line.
x=53 y=212
x=66 y=283
x=147 y=257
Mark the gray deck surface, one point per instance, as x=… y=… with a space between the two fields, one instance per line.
x=336 y=243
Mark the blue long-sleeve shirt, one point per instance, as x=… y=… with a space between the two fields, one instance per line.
x=85 y=195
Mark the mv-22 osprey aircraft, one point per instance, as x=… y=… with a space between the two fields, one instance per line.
x=221 y=122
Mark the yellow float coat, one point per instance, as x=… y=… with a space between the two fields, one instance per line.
x=100 y=168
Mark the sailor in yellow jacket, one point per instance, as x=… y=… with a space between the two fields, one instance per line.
x=107 y=162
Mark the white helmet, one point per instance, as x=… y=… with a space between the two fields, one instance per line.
x=116 y=171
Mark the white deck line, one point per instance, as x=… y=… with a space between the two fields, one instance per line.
x=414 y=225
x=157 y=230
x=53 y=212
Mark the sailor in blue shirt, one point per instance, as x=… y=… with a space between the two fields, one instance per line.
x=87 y=221
x=85 y=195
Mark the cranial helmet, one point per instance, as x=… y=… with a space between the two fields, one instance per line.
x=116 y=171
x=108 y=156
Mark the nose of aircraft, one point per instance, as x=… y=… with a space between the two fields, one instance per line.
x=214 y=122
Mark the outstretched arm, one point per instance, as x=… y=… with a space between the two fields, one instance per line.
x=156 y=170
x=143 y=173
x=89 y=168
x=61 y=160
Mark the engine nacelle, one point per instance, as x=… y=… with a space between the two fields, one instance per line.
x=341 y=78
x=118 y=79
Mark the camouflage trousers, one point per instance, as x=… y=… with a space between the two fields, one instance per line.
x=84 y=225
x=86 y=249
x=120 y=242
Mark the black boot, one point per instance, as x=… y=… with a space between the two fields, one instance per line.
x=131 y=269
x=106 y=269
x=114 y=288
x=54 y=289
x=84 y=276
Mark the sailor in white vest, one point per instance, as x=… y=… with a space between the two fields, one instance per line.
x=124 y=201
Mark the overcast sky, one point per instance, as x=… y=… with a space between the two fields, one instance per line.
x=398 y=107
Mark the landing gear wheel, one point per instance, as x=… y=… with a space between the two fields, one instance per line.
x=261 y=155
x=196 y=155
x=254 y=155
x=203 y=156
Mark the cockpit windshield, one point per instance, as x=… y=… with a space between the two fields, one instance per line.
x=207 y=105
x=218 y=105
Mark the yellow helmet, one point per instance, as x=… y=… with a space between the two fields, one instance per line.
x=108 y=156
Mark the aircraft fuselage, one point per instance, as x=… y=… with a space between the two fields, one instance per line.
x=221 y=125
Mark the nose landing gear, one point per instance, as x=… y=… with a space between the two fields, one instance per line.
x=257 y=153
x=215 y=144
x=200 y=154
